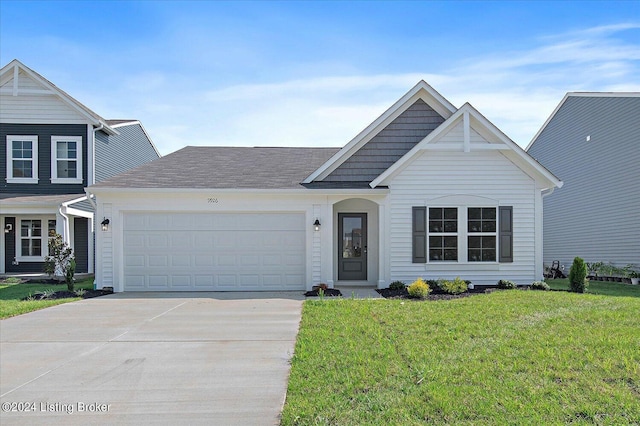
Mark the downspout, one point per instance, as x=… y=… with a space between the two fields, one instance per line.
x=65 y=225
x=548 y=191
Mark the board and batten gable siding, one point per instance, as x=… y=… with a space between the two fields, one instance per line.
x=596 y=214
x=118 y=153
x=389 y=145
x=44 y=133
x=35 y=109
x=474 y=175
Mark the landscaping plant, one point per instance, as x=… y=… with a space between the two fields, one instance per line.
x=540 y=285
x=397 y=285
x=506 y=284
x=457 y=286
x=419 y=289
x=60 y=262
x=578 y=281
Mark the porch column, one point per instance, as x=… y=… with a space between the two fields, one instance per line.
x=382 y=245
x=328 y=242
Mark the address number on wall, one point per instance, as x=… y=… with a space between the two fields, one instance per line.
x=212 y=201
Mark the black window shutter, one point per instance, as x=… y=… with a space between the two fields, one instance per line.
x=506 y=233
x=419 y=232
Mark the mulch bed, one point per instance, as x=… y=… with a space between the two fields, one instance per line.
x=434 y=295
x=331 y=292
x=65 y=294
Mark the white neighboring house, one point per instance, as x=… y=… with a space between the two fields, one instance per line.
x=426 y=190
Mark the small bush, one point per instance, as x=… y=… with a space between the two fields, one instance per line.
x=419 y=289
x=456 y=286
x=80 y=292
x=540 y=285
x=506 y=284
x=578 y=276
x=397 y=285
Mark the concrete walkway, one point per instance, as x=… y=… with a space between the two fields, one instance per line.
x=141 y=358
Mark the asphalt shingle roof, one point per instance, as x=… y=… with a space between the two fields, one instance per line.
x=225 y=167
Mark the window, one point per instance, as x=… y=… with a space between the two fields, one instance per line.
x=66 y=159
x=33 y=242
x=481 y=234
x=439 y=234
x=22 y=159
x=443 y=233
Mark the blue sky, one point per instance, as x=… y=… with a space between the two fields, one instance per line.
x=317 y=73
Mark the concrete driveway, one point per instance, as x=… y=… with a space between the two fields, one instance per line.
x=140 y=358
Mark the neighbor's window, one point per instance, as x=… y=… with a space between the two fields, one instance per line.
x=22 y=159
x=481 y=234
x=443 y=233
x=66 y=159
x=31 y=238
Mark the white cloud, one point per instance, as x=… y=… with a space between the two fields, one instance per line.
x=516 y=90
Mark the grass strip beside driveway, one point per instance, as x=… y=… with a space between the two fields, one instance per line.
x=509 y=357
x=11 y=296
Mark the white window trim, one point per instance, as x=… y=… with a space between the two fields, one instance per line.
x=34 y=160
x=54 y=159
x=482 y=234
x=463 y=234
x=44 y=226
x=443 y=234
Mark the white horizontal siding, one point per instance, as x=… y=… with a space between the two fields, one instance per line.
x=488 y=174
x=37 y=109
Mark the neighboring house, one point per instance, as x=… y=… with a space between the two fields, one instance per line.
x=592 y=140
x=427 y=190
x=52 y=148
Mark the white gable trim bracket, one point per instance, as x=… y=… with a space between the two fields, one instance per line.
x=470 y=118
x=422 y=90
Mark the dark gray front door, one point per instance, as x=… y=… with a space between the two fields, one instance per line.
x=352 y=246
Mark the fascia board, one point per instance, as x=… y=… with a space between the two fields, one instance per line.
x=421 y=90
x=296 y=192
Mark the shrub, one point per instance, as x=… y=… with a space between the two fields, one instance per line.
x=397 y=285
x=578 y=276
x=456 y=286
x=540 y=285
x=506 y=284
x=419 y=289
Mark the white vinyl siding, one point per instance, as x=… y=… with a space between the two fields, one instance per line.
x=475 y=179
x=34 y=108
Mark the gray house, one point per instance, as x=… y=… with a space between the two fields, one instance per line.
x=52 y=148
x=592 y=140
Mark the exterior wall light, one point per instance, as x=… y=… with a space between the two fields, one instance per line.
x=105 y=224
x=316 y=225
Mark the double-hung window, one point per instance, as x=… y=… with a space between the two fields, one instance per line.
x=66 y=159
x=22 y=159
x=481 y=234
x=32 y=245
x=443 y=233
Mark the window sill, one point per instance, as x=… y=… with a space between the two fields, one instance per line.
x=22 y=180
x=63 y=181
x=30 y=259
x=462 y=266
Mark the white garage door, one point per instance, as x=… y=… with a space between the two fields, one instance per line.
x=215 y=251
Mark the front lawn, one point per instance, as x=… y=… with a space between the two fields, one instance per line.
x=508 y=357
x=11 y=296
x=607 y=288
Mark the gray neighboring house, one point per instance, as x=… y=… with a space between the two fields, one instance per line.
x=52 y=148
x=592 y=140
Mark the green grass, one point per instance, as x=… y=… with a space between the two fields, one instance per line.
x=606 y=288
x=11 y=296
x=509 y=357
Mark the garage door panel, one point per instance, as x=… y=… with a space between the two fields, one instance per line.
x=185 y=251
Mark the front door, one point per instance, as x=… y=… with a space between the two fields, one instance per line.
x=352 y=246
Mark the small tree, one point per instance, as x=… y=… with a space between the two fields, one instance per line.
x=60 y=262
x=578 y=276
